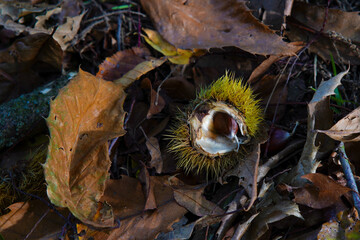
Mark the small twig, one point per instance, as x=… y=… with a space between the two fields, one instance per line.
x=159 y=87
x=118 y=33
x=349 y=176
x=36 y=224
x=114 y=13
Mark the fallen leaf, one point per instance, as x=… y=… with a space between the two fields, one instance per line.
x=271 y=96
x=128 y=201
x=259 y=226
x=85 y=115
x=271 y=12
x=180 y=232
x=262 y=68
x=339 y=38
x=172 y=85
x=193 y=200
x=157 y=103
x=142 y=68
x=64 y=33
x=33 y=215
x=120 y=63
x=148 y=189
x=247 y=171
x=24 y=62
x=149 y=225
x=327 y=88
x=154 y=149
x=307 y=163
x=322 y=193
x=243 y=227
x=175 y=55
x=347 y=129
x=214 y=24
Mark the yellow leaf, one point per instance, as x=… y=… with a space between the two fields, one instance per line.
x=175 y=55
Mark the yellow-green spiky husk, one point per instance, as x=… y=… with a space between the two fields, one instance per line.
x=233 y=91
x=226 y=89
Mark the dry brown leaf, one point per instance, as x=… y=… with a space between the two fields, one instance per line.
x=319 y=103
x=64 y=33
x=262 y=68
x=271 y=12
x=23 y=63
x=214 y=24
x=269 y=96
x=154 y=149
x=142 y=68
x=271 y=214
x=84 y=116
x=148 y=189
x=128 y=201
x=193 y=200
x=172 y=85
x=340 y=37
x=347 y=129
x=247 y=171
x=323 y=193
x=157 y=103
x=24 y=216
x=122 y=62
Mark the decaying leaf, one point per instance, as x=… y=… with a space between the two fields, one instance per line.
x=85 y=115
x=347 y=129
x=34 y=216
x=157 y=103
x=63 y=33
x=193 y=200
x=24 y=62
x=128 y=201
x=214 y=24
x=307 y=163
x=340 y=37
x=122 y=62
x=154 y=149
x=243 y=227
x=175 y=55
x=138 y=71
x=247 y=172
x=269 y=215
x=322 y=193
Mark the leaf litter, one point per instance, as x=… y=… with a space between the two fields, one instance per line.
x=108 y=161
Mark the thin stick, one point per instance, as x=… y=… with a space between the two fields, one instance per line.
x=349 y=175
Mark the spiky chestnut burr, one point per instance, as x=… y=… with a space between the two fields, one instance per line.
x=213 y=132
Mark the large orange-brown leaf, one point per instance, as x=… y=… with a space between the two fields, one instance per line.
x=214 y=24
x=85 y=115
